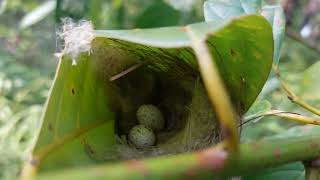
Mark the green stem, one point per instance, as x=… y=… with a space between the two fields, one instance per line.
x=216 y=91
x=294 y=98
x=209 y=163
x=286 y=115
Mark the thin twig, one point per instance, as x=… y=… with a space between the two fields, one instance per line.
x=257 y=116
x=123 y=73
x=287 y=115
x=294 y=98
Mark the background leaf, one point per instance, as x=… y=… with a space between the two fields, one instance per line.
x=220 y=10
x=309 y=85
x=259 y=107
x=38 y=14
x=158 y=14
x=275 y=16
x=3 y=5
x=74 y=9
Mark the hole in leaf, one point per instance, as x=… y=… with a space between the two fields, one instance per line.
x=233 y=52
x=50 y=127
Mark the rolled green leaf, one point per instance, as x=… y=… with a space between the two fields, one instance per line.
x=93 y=103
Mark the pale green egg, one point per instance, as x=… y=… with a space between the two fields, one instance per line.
x=142 y=137
x=150 y=116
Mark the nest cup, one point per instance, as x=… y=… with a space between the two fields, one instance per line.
x=174 y=88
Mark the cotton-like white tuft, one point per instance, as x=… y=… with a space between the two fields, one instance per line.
x=77 y=38
x=306 y=31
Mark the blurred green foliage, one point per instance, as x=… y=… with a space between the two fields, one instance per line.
x=27 y=64
x=26 y=70
x=128 y=14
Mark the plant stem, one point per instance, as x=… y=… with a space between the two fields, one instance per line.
x=294 y=98
x=287 y=115
x=216 y=91
x=208 y=163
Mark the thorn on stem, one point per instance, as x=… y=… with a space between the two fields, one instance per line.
x=290 y=98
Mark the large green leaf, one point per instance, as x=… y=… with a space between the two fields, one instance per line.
x=38 y=14
x=78 y=102
x=78 y=124
x=220 y=10
x=164 y=14
x=309 y=85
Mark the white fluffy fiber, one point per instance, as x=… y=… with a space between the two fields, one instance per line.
x=77 y=38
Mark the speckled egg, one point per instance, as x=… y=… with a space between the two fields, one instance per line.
x=142 y=137
x=150 y=116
